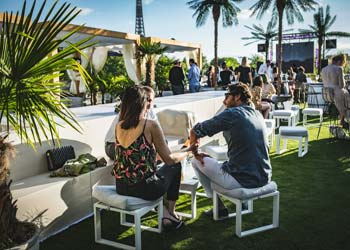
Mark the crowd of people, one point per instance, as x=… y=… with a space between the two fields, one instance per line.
x=137 y=144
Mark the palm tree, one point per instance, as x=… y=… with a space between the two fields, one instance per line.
x=322 y=22
x=148 y=51
x=260 y=34
x=229 y=11
x=293 y=10
x=29 y=96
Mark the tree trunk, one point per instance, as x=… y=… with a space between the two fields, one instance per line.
x=319 y=59
x=279 y=46
x=148 y=73
x=267 y=50
x=216 y=15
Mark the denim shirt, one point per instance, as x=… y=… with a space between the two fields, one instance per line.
x=193 y=75
x=245 y=133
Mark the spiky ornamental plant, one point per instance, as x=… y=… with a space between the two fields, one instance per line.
x=29 y=95
x=148 y=50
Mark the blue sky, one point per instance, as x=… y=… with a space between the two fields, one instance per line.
x=173 y=19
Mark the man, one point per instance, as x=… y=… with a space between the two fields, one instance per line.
x=245 y=133
x=266 y=69
x=176 y=78
x=333 y=77
x=193 y=77
x=110 y=136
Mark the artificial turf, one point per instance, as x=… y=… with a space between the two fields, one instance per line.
x=314 y=210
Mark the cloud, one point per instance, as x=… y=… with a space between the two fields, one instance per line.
x=85 y=11
x=147 y=2
x=321 y=3
x=244 y=14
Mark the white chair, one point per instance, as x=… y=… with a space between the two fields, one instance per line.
x=293 y=133
x=240 y=195
x=176 y=126
x=270 y=126
x=108 y=199
x=283 y=114
x=312 y=112
x=296 y=110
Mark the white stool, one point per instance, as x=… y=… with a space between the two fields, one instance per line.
x=288 y=115
x=270 y=126
x=109 y=200
x=296 y=110
x=189 y=186
x=312 y=112
x=294 y=133
x=217 y=152
x=240 y=195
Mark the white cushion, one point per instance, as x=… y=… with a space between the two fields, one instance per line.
x=312 y=111
x=246 y=193
x=283 y=113
x=109 y=196
x=294 y=107
x=293 y=131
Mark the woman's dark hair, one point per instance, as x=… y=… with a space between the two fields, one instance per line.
x=258 y=81
x=242 y=90
x=133 y=102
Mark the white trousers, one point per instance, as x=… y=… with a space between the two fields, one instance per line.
x=211 y=172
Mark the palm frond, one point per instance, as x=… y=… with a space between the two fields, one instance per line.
x=29 y=95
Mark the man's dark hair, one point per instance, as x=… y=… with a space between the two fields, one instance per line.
x=133 y=102
x=339 y=58
x=242 y=90
x=192 y=60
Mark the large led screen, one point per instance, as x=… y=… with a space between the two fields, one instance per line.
x=298 y=54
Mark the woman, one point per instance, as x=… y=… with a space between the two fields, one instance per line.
x=137 y=142
x=263 y=106
x=291 y=80
x=244 y=73
x=268 y=90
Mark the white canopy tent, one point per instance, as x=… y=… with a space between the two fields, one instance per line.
x=106 y=40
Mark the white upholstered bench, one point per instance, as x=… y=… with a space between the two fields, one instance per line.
x=288 y=115
x=240 y=195
x=109 y=200
x=294 y=133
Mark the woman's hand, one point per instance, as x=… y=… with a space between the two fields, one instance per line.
x=200 y=157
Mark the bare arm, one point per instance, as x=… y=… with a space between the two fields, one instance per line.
x=341 y=80
x=250 y=78
x=161 y=146
x=238 y=76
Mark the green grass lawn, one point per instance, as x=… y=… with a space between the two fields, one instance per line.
x=314 y=210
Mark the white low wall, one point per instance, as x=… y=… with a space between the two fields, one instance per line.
x=96 y=120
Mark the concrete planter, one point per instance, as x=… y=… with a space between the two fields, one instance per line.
x=31 y=244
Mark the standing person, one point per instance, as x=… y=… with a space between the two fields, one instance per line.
x=333 y=77
x=245 y=133
x=137 y=142
x=291 y=74
x=176 y=78
x=110 y=136
x=210 y=75
x=193 y=77
x=244 y=74
x=266 y=68
x=225 y=75
x=300 y=78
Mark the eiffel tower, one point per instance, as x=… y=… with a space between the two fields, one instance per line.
x=139 y=26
